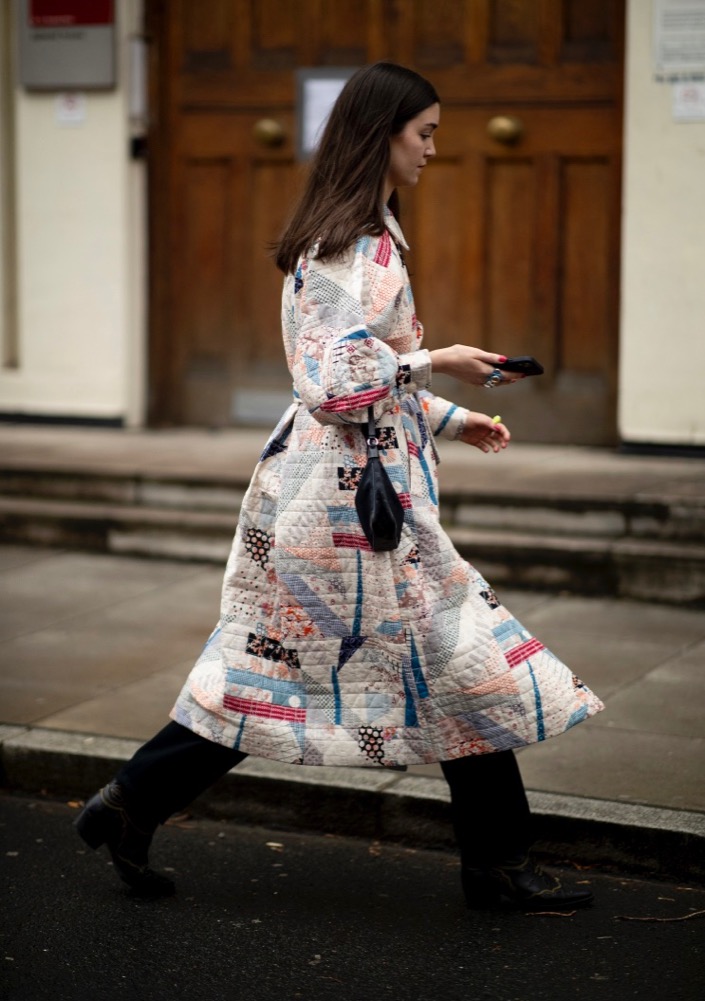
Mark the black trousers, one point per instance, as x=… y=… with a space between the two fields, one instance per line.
x=491 y=816
x=171 y=770
x=489 y=808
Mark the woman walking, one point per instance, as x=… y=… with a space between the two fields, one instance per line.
x=328 y=652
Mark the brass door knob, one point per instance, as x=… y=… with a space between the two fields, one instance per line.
x=269 y=132
x=505 y=129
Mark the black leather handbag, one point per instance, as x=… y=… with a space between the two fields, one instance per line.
x=377 y=503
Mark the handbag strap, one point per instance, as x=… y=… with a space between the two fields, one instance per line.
x=372 y=439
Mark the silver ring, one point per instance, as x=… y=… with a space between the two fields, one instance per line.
x=493 y=379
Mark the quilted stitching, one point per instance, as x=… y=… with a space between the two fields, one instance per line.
x=327 y=652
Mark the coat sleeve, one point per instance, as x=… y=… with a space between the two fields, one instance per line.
x=445 y=419
x=344 y=310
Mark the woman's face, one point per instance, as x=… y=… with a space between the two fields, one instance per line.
x=411 y=148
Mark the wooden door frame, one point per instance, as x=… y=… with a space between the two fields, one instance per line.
x=157 y=24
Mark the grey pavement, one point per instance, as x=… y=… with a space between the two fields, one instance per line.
x=95 y=647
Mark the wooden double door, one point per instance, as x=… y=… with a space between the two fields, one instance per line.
x=514 y=228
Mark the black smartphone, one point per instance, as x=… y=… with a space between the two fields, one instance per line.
x=522 y=364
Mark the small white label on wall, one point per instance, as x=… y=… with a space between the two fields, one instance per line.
x=689 y=102
x=71 y=109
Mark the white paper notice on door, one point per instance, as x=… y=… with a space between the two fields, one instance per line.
x=317 y=92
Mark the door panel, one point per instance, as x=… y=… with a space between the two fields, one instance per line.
x=225 y=327
x=583 y=344
x=201 y=329
x=509 y=198
x=515 y=246
x=536 y=234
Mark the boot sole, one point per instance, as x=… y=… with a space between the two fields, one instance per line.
x=484 y=894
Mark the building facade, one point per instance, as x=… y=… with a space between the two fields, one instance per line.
x=563 y=216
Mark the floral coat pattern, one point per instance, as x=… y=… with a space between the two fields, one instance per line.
x=327 y=652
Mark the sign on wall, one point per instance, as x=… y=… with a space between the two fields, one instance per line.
x=66 y=44
x=679 y=40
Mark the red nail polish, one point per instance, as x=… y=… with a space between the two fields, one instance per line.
x=502 y=359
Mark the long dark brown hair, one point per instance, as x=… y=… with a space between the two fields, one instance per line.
x=343 y=197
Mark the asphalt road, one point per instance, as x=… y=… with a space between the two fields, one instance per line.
x=275 y=916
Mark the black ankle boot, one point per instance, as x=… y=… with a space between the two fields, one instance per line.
x=524 y=883
x=105 y=820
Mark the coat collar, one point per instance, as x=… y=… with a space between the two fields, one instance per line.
x=394 y=228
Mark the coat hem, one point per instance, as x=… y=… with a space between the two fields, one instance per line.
x=318 y=750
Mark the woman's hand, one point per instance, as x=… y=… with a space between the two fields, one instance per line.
x=482 y=432
x=470 y=365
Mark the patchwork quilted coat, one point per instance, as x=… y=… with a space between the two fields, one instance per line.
x=327 y=652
